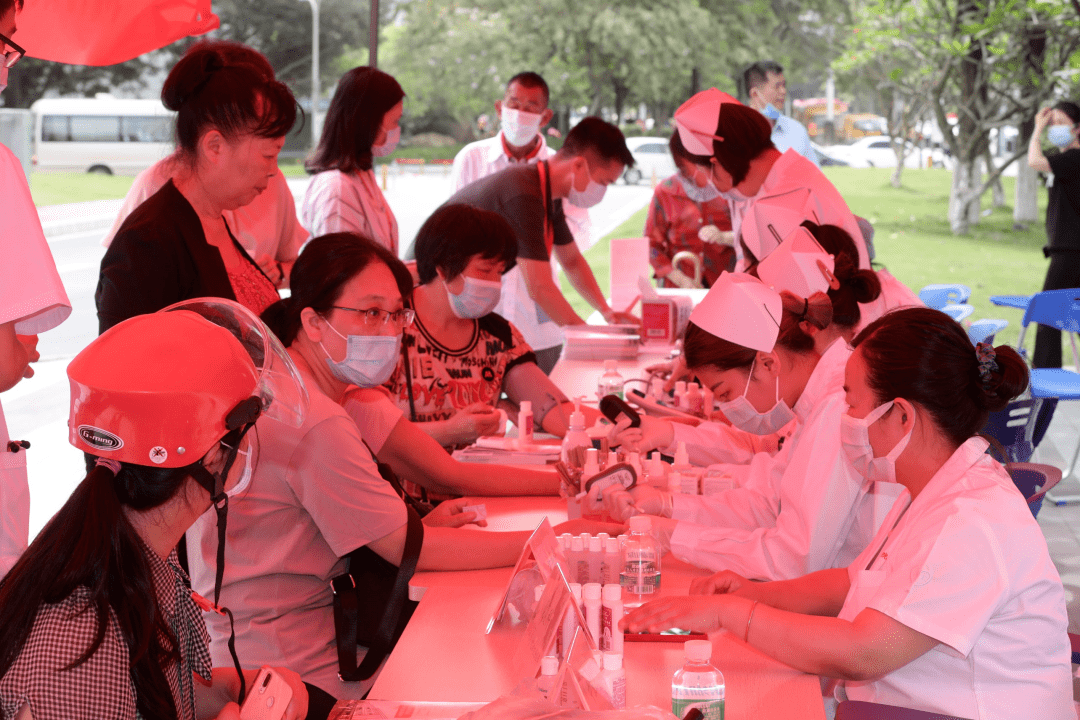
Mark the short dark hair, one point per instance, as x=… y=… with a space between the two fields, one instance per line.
x=224 y=86
x=455 y=233
x=599 y=137
x=363 y=97
x=1069 y=108
x=925 y=357
x=758 y=74
x=316 y=280
x=8 y=5
x=746 y=135
x=531 y=79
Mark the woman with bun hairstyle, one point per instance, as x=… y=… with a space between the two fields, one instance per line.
x=361 y=124
x=804 y=509
x=231 y=121
x=955 y=606
x=99 y=618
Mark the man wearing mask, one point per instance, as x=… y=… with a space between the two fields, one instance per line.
x=523 y=112
x=32 y=300
x=767 y=89
x=528 y=196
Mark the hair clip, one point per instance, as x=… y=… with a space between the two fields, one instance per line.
x=987 y=357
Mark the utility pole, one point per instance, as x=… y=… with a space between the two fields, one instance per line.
x=373 y=35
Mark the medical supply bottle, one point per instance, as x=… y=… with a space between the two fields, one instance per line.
x=592 y=596
x=611 y=612
x=579 y=562
x=611 y=382
x=698 y=684
x=575 y=437
x=614 y=679
x=549 y=668
x=680 y=393
x=640 y=577
x=611 y=565
x=525 y=424
x=693 y=399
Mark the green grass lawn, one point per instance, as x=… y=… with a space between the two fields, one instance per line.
x=61 y=188
x=913 y=240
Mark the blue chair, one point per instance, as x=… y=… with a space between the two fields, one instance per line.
x=957 y=311
x=1074 y=640
x=985 y=329
x=939 y=295
x=861 y=710
x=1059 y=309
x=1034 y=480
x=1014 y=429
x=1020 y=302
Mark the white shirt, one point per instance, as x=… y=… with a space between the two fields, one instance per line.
x=31 y=295
x=267 y=227
x=802 y=510
x=374 y=413
x=316 y=496
x=487 y=157
x=968 y=565
x=710 y=443
x=789 y=134
x=790 y=172
x=349 y=202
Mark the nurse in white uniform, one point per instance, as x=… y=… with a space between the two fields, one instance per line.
x=32 y=300
x=955 y=607
x=806 y=508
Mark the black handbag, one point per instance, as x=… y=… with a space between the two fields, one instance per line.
x=371 y=600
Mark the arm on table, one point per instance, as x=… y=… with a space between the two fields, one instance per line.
x=455 y=548
x=464 y=426
x=526 y=381
x=582 y=278
x=417 y=457
x=544 y=292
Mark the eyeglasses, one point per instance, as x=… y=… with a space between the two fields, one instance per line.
x=13 y=55
x=376 y=317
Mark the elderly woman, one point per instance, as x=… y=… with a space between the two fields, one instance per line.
x=231 y=122
x=361 y=124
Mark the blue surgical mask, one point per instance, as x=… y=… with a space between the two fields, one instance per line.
x=477 y=299
x=591 y=195
x=369 y=361
x=389 y=145
x=1060 y=135
x=771 y=112
x=698 y=194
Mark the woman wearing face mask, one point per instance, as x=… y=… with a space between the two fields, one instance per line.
x=231 y=121
x=459 y=356
x=316 y=494
x=735 y=141
x=955 y=607
x=99 y=619
x=1062 y=126
x=362 y=123
x=685 y=207
x=804 y=509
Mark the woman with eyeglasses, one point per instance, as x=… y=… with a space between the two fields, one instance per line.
x=316 y=494
x=361 y=124
x=231 y=121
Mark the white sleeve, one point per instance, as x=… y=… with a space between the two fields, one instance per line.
x=709 y=443
x=463 y=172
x=818 y=493
x=328 y=210
x=292 y=235
x=148 y=182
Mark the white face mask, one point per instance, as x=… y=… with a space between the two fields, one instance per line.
x=519 y=127
x=245 y=477
x=389 y=145
x=477 y=298
x=746 y=417
x=1060 y=135
x=369 y=361
x=591 y=195
x=855 y=440
x=699 y=194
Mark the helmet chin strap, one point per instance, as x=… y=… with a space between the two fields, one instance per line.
x=214 y=483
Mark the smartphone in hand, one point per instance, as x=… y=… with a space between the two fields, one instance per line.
x=267 y=698
x=613 y=407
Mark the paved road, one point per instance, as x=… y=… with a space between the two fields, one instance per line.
x=37 y=409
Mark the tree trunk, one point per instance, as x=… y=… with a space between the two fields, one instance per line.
x=896 y=173
x=963 y=208
x=998 y=190
x=1025 y=205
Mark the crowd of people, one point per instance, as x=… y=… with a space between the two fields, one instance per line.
x=242 y=447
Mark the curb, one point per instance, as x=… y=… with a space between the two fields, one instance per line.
x=55 y=228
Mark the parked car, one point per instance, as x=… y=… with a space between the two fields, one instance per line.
x=826 y=158
x=652 y=158
x=877 y=151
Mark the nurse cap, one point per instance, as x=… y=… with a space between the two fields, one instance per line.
x=741 y=309
x=696 y=120
x=800 y=265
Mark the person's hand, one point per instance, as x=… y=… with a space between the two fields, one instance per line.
x=471 y=422
x=679 y=371
x=231 y=711
x=651 y=434
x=616 y=317
x=298 y=706
x=451 y=513
x=620 y=504
x=29 y=343
x=1042 y=119
x=694 y=613
x=720 y=583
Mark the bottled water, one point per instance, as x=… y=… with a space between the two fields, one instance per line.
x=698 y=684
x=611 y=382
x=640 y=576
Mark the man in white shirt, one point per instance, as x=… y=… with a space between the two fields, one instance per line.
x=767 y=89
x=523 y=112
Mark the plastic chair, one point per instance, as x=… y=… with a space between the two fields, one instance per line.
x=1014 y=428
x=1034 y=480
x=862 y=710
x=957 y=311
x=985 y=329
x=939 y=295
x=1074 y=640
x=1020 y=302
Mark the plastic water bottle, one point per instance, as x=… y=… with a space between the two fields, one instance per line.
x=611 y=382
x=640 y=576
x=698 y=684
